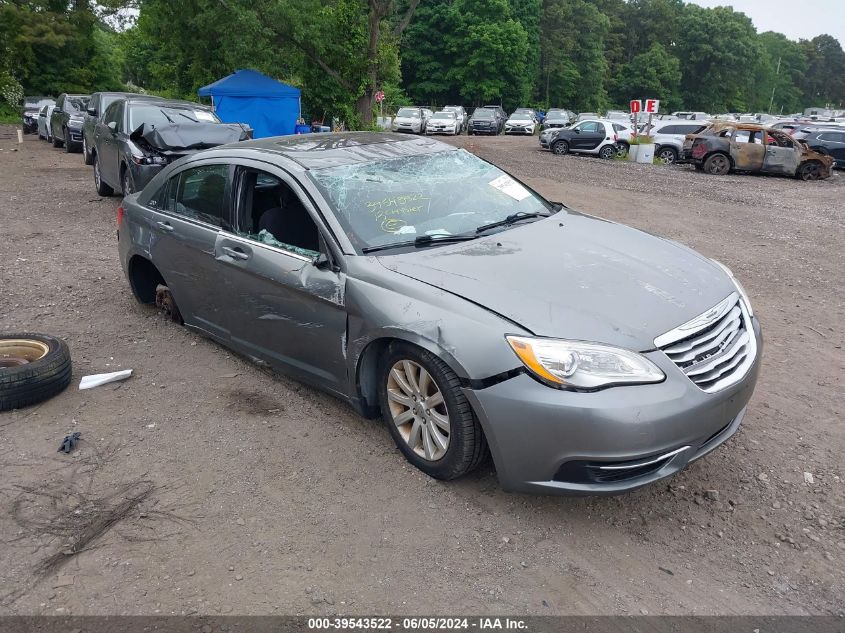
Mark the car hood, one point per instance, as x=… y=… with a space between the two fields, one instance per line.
x=577 y=277
x=406 y=119
x=523 y=122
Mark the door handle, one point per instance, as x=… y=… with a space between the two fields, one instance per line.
x=165 y=226
x=235 y=253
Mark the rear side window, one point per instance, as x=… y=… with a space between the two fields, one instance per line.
x=201 y=194
x=837 y=137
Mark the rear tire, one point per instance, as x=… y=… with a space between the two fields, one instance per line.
x=607 y=152
x=668 y=155
x=466 y=445
x=102 y=188
x=717 y=164
x=126 y=182
x=47 y=372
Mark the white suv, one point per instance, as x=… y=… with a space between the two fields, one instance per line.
x=669 y=137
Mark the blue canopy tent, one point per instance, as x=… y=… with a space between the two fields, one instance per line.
x=270 y=107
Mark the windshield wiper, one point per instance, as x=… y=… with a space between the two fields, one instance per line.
x=190 y=118
x=165 y=115
x=422 y=240
x=511 y=219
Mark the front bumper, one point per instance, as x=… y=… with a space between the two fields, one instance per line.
x=519 y=130
x=406 y=127
x=141 y=175
x=549 y=441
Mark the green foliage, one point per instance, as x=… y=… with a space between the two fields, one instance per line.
x=652 y=74
x=488 y=49
x=573 y=66
x=585 y=55
x=720 y=59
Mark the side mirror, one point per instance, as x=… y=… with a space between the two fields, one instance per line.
x=112 y=125
x=577 y=130
x=91 y=111
x=322 y=262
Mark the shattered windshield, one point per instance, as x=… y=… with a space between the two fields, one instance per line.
x=445 y=193
x=156 y=115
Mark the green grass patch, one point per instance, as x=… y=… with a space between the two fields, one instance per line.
x=9 y=115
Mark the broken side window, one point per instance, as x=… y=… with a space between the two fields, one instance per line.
x=268 y=211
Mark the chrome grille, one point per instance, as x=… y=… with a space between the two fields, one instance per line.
x=715 y=349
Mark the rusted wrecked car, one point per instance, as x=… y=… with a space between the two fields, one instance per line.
x=724 y=147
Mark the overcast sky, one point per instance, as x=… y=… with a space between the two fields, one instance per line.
x=804 y=19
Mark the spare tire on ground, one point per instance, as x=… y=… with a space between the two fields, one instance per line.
x=33 y=367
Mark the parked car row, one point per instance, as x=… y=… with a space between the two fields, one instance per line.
x=129 y=137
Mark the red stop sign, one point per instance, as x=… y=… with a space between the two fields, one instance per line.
x=380 y=96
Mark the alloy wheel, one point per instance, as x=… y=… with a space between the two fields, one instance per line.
x=418 y=409
x=667 y=156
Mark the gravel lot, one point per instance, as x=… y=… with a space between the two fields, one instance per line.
x=266 y=497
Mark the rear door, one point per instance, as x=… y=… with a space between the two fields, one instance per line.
x=106 y=143
x=285 y=307
x=185 y=227
x=747 y=149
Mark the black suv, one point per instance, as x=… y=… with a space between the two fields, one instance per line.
x=94 y=113
x=66 y=121
x=485 y=121
x=830 y=141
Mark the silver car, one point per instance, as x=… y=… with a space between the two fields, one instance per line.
x=428 y=287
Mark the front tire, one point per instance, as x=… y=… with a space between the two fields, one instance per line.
x=126 y=187
x=427 y=413
x=811 y=170
x=561 y=148
x=86 y=153
x=102 y=188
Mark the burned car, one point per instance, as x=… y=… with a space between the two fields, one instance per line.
x=137 y=137
x=723 y=147
x=426 y=286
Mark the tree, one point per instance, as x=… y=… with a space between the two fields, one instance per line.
x=653 y=74
x=785 y=65
x=573 y=67
x=489 y=50
x=720 y=59
x=824 y=80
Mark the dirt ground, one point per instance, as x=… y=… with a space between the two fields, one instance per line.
x=252 y=494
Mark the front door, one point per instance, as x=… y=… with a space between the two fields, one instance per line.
x=782 y=156
x=588 y=136
x=285 y=307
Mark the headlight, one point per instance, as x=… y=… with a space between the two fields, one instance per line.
x=74 y=123
x=738 y=286
x=579 y=365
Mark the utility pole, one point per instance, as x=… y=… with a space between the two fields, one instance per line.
x=772 y=100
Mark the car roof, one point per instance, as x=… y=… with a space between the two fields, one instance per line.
x=319 y=151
